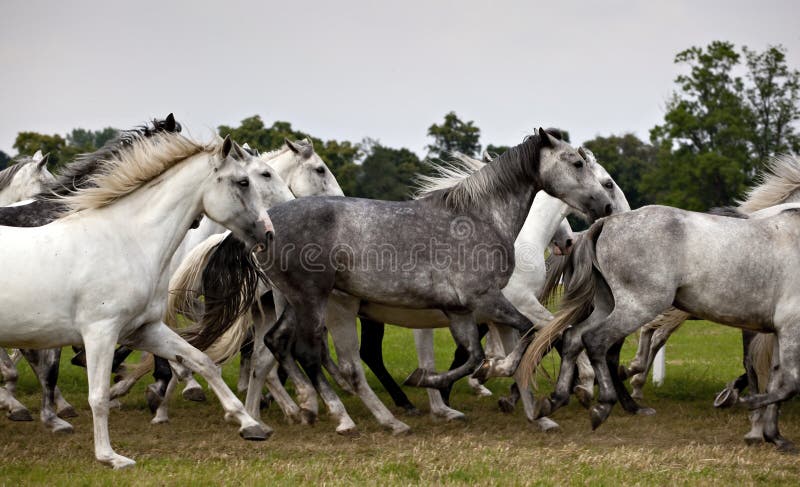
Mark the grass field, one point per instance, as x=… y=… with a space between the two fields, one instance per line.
x=688 y=441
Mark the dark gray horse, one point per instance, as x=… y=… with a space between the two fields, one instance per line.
x=452 y=251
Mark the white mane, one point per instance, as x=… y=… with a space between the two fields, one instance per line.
x=777 y=182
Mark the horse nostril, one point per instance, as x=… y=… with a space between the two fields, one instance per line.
x=609 y=209
x=270 y=236
x=569 y=243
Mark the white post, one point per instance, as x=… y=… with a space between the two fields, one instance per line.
x=659 y=367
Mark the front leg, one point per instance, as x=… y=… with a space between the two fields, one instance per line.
x=45 y=365
x=161 y=341
x=99 y=345
x=423 y=339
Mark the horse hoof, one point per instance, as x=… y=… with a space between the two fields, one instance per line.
x=117 y=462
x=481 y=374
x=153 y=398
x=20 y=415
x=401 y=429
x=645 y=412
x=786 y=447
x=68 y=412
x=506 y=405
x=195 y=394
x=547 y=425
x=542 y=408
x=584 y=396
x=726 y=398
x=64 y=428
x=415 y=379
x=114 y=404
x=255 y=433
x=349 y=432
x=308 y=417
x=598 y=414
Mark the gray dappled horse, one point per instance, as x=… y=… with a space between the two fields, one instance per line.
x=628 y=268
x=452 y=250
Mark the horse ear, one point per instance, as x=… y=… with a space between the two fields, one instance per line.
x=37 y=155
x=169 y=123
x=545 y=138
x=582 y=153
x=227 y=145
x=310 y=142
x=43 y=161
x=294 y=146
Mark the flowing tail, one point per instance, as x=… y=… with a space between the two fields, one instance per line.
x=761 y=359
x=581 y=280
x=227 y=277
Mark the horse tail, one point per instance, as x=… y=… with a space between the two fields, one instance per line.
x=576 y=304
x=557 y=266
x=760 y=357
x=229 y=284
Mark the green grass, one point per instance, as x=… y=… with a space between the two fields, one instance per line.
x=688 y=441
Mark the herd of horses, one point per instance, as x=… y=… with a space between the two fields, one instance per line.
x=195 y=252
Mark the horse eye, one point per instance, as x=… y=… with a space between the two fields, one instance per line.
x=578 y=164
x=243 y=182
x=608 y=185
x=320 y=170
x=266 y=174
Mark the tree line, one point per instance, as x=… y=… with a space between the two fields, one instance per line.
x=730 y=111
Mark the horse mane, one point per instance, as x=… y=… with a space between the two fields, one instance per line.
x=7 y=174
x=502 y=177
x=776 y=183
x=121 y=172
x=307 y=150
x=446 y=174
x=76 y=175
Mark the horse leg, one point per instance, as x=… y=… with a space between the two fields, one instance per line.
x=333 y=368
x=625 y=399
x=465 y=333
x=156 y=393
x=280 y=340
x=371 y=353
x=584 y=390
x=45 y=365
x=160 y=340
x=263 y=368
x=16 y=410
x=423 y=339
x=460 y=357
x=193 y=391
x=782 y=384
x=639 y=379
x=99 y=351
x=245 y=364
x=341 y=322
x=161 y=414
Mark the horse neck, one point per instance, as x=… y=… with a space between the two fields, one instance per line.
x=15 y=191
x=158 y=215
x=544 y=217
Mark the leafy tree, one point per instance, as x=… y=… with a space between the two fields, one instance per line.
x=773 y=97
x=90 y=140
x=627 y=159
x=454 y=135
x=4 y=160
x=27 y=143
x=496 y=150
x=388 y=173
x=703 y=157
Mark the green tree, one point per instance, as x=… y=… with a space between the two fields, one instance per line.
x=387 y=173
x=496 y=150
x=4 y=160
x=454 y=135
x=27 y=143
x=627 y=159
x=703 y=158
x=773 y=94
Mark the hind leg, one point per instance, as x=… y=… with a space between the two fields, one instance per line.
x=782 y=383
x=16 y=410
x=423 y=339
x=8 y=371
x=371 y=352
x=45 y=365
x=245 y=354
x=341 y=322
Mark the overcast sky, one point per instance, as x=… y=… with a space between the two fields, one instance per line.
x=352 y=69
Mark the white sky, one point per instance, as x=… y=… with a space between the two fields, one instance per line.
x=351 y=69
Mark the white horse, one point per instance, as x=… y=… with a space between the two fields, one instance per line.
x=103 y=266
x=26 y=178
x=301 y=168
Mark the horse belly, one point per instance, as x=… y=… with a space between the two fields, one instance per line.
x=408 y=318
